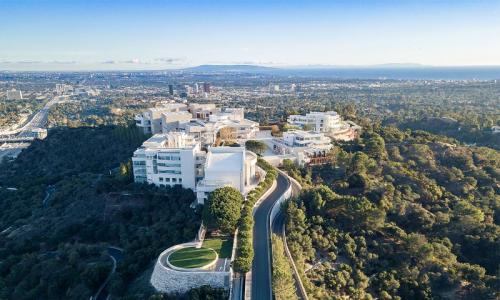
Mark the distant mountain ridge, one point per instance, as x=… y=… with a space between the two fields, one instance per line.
x=397 y=71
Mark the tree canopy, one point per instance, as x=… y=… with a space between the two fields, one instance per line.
x=222 y=209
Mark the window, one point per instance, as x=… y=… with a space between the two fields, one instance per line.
x=168 y=157
x=167 y=179
x=161 y=179
x=169 y=165
x=180 y=180
x=169 y=172
x=174 y=179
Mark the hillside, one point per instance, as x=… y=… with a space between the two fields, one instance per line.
x=399 y=215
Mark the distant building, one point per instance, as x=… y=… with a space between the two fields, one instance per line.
x=495 y=129
x=85 y=92
x=171 y=89
x=203 y=121
x=151 y=119
x=62 y=89
x=39 y=133
x=328 y=122
x=202 y=111
x=206 y=87
x=14 y=95
x=305 y=147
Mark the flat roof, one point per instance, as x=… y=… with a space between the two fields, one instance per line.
x=225 y=161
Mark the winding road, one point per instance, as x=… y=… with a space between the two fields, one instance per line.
x=261 y=267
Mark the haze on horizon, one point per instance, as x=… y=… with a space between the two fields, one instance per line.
x=128 y=35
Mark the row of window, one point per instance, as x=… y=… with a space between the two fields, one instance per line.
x=169 y=172
x=168 y=165
x=168 y=157
x=173 y=180
x=139 y=171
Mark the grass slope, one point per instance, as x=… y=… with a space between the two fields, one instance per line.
x=223 y=246
x=192 y=257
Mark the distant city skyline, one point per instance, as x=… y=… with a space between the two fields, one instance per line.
x=148 y=35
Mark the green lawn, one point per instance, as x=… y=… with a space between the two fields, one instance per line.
x=223 y=246
x=192 y=257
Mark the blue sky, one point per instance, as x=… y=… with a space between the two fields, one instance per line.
x=105 y=34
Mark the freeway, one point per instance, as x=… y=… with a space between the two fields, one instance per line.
x=21 y=138
x=39 y=120
x=261 y=267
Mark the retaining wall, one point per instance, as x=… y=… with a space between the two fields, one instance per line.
x=168 y=280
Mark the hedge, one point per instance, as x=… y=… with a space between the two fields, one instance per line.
x=244 y=248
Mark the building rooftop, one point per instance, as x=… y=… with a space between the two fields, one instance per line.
x=169 y=140
x=225 y=159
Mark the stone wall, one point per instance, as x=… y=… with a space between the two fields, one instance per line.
x=168 y=280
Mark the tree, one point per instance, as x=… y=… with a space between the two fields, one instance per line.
x=94 y=275
x=359 y=163
x=227 y=133
x=222 y=209
x=375 y=147
x=275 y=130
x=256 y=146
x=307 y=127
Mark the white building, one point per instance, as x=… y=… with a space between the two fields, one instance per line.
x=62 y=88
x=202 y=111
x=151 y=119
x=329 y=122
x=169 y=159
x=14 y=95
x=303 y=146
x=203 y=121
x=176 y=159
x=227 y=166
x=39 y=133
x=173 y=121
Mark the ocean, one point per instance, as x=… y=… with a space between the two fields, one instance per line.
x=402 y=73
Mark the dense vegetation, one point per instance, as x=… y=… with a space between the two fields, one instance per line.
x=71 y=201
x=12 y=111
x=94 y=112
x=283 y=282
x=222 y=209
x=465 y=110
x=244 y=248
x=399 y=215
x=256 y=146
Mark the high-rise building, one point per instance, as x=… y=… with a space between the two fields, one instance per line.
x=62 y=89
x=206 y=87
x=171 y=89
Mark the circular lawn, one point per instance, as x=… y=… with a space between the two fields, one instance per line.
x=192 y=257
